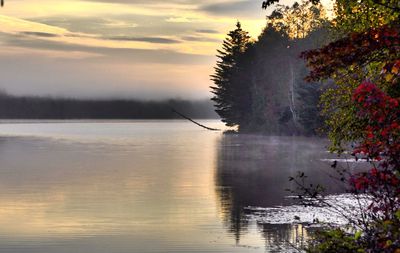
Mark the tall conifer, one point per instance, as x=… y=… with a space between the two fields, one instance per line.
x=227 y=90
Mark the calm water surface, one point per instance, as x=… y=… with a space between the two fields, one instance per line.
x=146 y=186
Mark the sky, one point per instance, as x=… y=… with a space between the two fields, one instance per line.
x=141 y=49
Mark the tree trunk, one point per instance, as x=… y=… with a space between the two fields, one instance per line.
x=292 y=102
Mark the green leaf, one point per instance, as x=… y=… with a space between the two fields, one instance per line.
x=397 y=214
x=357 y=235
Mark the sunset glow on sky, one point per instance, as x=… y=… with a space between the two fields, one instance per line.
x=148 y=49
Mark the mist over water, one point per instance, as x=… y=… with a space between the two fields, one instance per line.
x=147 y=186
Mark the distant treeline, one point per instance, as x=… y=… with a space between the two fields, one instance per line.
x=29 y=107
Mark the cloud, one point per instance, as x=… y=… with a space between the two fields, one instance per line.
x=157 y=40
x=211 y=31
x=97 y=47
x=236 y=9
x=153 y=1
x=40 y=34
x=133 y=55
x=131 y=77
x=80 y=35
x=94 y=25
x=199 y=39
x=119 y=24
x=179 y=20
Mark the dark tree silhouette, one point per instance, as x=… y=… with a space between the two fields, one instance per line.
x=228 y=94
x=259 y=86
x=268 y=3
x=13 y=107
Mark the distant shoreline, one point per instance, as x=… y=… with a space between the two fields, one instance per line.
x=48 y=108
x=44 y=121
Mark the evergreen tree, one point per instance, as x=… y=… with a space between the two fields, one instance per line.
x=242 y=83
x=230 y=91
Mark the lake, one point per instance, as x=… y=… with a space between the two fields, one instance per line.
x=149 y=186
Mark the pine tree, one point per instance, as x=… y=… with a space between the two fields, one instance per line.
x=230 y=92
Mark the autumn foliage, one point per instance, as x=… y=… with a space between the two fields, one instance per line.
x=381 y=142
x=355 y=50
x=381 y=145
x=376 y=227
x=373 y=109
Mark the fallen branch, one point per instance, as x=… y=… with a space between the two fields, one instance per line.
x=203 y=126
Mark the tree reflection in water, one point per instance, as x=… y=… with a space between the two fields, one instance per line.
x=254 y=170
